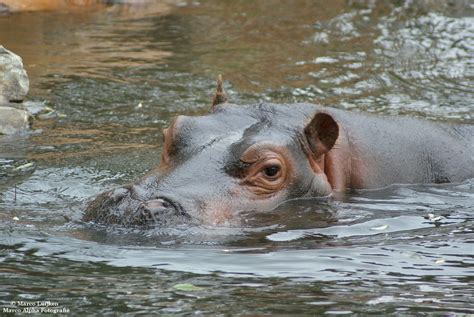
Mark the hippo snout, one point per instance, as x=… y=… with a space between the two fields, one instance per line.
x=130 y=206
x=157 y=211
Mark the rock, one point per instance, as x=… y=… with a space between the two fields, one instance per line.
x=13 y=120
x=4 y=9
x=14 y=83
x=36 y=108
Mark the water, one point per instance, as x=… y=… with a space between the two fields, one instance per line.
x=115 y=78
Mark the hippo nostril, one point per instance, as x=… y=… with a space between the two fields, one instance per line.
x=165 y=203
x=162 y=203
x=154 y=211
x=118 y=194
x=155 y=206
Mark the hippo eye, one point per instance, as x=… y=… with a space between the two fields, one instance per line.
x=271 y=171
x=265 y=172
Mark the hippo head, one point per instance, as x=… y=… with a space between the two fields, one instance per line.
x=234 y=159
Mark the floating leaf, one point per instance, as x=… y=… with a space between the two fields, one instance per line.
x=23 y=166
x=187 y=287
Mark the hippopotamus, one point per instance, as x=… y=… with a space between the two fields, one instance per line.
x=252 y=158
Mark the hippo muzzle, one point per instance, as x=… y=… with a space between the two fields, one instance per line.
x=128 y=206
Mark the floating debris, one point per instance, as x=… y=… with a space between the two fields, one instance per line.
x=380 y=228
x=187 y=287
x=24 y=166
x=433 y=218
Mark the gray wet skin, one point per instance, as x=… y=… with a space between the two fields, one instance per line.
x=254 y=157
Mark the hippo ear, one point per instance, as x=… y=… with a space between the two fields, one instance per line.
x=321 y=134
x=219 y=96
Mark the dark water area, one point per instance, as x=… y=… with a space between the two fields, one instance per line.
x=116 y=77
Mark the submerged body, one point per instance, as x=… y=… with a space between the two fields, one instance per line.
x=254 y=157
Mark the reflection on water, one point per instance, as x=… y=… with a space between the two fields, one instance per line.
x=117 y=76
x=86 y=44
